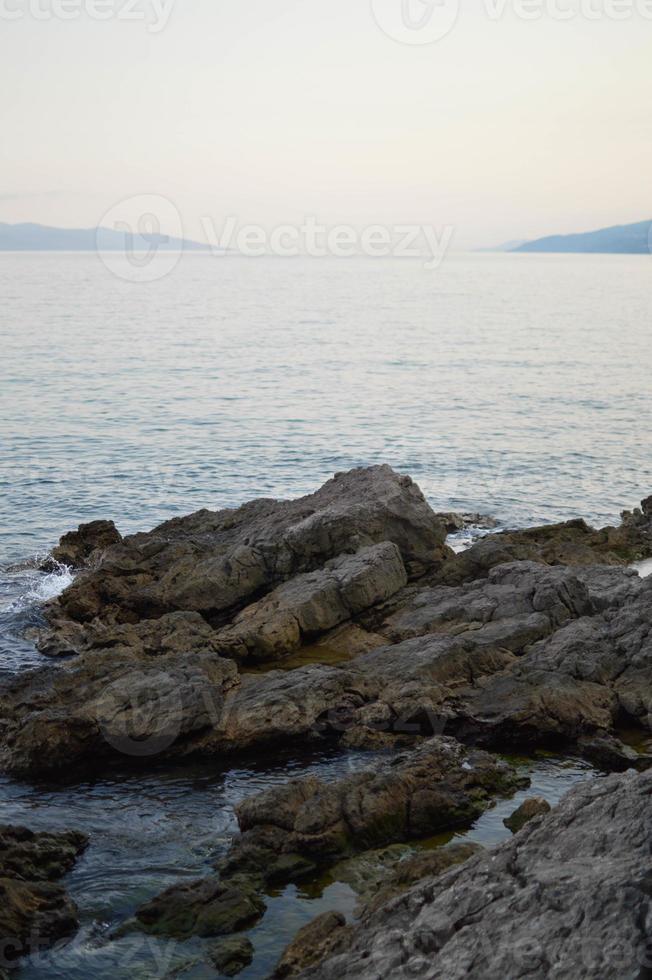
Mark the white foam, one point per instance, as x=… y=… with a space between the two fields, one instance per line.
x=644 y=568
x=42 y=586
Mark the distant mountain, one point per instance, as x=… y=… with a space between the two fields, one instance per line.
x=41 y=238
x=621 y=239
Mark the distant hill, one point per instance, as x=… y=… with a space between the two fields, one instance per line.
x=41 y=238
x=621 y=239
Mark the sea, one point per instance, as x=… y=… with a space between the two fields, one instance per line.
x=515 y=386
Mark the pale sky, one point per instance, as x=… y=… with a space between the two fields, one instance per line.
x=271 y=110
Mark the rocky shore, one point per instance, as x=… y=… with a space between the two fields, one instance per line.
x=343 y=619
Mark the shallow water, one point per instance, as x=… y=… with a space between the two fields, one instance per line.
x=149 y=830
x=507 y=385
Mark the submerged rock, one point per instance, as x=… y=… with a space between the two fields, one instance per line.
x=34 y=912
x=568 y=897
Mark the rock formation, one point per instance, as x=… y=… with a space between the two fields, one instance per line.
x=568 y=897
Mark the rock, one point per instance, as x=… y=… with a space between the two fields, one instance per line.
x=315 y=942
x=527 y=654
x=571 y=543
x=78 y=547
x=438 y=786
x=568 y=897
x=612 y=755
x=536 y=806
x=411 y=870
x=455 y=522
x=38 y=856
x=214 y=563
x=102 y=706
x=314 y=603
x=34 y=911
x=176 y=633
x=231 y=956
x=206 y=908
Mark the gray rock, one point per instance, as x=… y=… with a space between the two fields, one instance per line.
x=567 y=898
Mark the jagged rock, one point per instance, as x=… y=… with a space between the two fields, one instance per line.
x=315 y=942
x=177 y=633
x=438 y=786
x=206 y=908
x=35 y=912
x=101 y=706
x=536 y=806
x=231 y=956
x=527 y=654
x=314 y=603
x=214 y=563
x=568 y=897
x=612 y=755
x=78 y=547
x=571 y=543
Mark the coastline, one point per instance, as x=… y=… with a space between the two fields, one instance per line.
x=168 y=649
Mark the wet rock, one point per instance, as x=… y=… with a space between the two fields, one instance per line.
x=314 y=603
x=312 y=944
x=206 y=908
x=413 y=869
x=455 y=522
x=569 y=896
x=438 y=786
x=78 y=548
x=34 y=911
x=38 y=856
x=536 y=806
x=231 y=956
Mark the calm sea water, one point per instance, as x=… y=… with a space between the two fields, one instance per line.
x=514 y=385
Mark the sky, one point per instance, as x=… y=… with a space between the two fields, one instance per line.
x=271 y=110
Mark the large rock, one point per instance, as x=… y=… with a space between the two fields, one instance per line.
x=34 y=911
x=214 y=563
x=567 y=898
x=103 y=706
x=438 y=786
x=314 y=603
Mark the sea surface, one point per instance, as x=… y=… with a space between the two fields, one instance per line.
x=512 y=385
